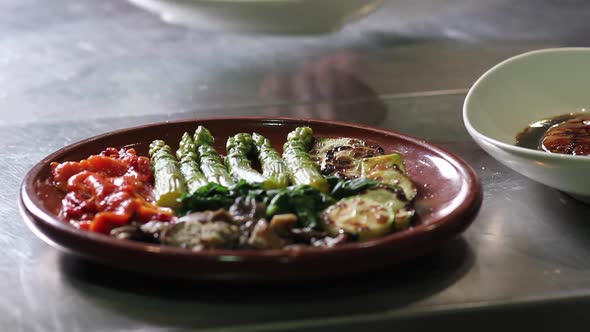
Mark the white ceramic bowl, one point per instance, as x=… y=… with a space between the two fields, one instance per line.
x=261 y=16
x=525 y=89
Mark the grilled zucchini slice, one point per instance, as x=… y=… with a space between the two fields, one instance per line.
x=322 y=145
x=361 y=217
x=389 y=169
x=342 y=156
x=369 y=215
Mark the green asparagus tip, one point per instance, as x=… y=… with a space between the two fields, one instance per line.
x=203 y=136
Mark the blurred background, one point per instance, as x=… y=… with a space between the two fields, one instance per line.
x=86 y=59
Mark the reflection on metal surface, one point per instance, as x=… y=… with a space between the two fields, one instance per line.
x=133 y=300
x=329 y=81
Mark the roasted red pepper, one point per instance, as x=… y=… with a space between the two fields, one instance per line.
x=108 y=190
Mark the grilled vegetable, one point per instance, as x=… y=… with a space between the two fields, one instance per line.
x=342 y=156
x=304 y=201
x=569 y=137
x=345 y=161
x=323 y=145
x=393 y=199
x=210 y=162
x=302 y=170
x=239 y=148
x=367 y=216
x=169 y=184
x=389 y=169
x=345 y=188
x=359 y=216
x=189 y=166
x=197 y=235
x=214 y=196
x=272 y=165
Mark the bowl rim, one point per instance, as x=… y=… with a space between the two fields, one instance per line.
x=510 y=147
x=461 y=216
x=245 y=2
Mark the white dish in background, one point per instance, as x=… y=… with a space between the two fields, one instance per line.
x=525 y=89
x=261 y=16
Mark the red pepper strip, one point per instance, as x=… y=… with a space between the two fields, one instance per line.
x=77 y=207
x=105 y=165
x=62 y=172
x=145 y=213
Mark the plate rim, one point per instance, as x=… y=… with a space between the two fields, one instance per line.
x=456 y=221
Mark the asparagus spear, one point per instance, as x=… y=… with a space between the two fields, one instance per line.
x=239 y=148
x=302 y=170
x=270 y=160
x=189 y=166
x=209 y=159
x=169 y=184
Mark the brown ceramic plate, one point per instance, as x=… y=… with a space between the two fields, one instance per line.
x=449 y=197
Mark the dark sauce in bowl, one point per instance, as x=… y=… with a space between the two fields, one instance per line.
x=565 y=134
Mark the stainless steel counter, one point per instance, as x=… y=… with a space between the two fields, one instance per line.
x=80 y=68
